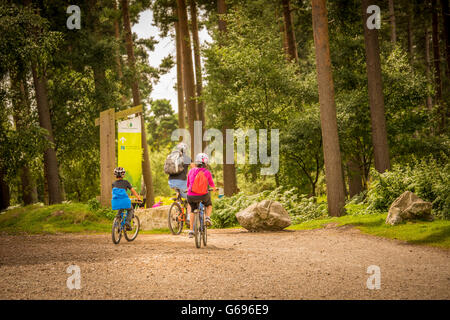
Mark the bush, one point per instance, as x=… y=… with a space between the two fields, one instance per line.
x=427 y=178
x=300 y=207
x=95 y=206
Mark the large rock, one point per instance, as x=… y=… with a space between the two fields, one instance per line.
x=408 y=207
x=266 y=215
x=153 y=218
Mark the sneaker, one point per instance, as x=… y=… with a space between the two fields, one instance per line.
x=191 y=234
x=208 y=221
x=128 y=227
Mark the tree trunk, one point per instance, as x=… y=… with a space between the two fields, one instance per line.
x=437 y=65
x=446 y=24
x=181 y=113
x=331 y=149
x=188 y=70
x=198 y=67
x=391 y=19
x=4 y=192
x=354 y=178
x=21 y=106
x=146 y=170
x=376 y=98
x=283 y=33
x=428 y=65
x=229 y=169
x=117 y=36
x=50 y=160
x=410 y=33
x=289 y=31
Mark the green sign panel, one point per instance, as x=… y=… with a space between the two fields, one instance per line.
x=130 y=151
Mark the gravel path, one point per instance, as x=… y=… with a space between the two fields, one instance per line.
x=328 y=263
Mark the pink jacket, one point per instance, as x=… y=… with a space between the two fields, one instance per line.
x=190 y=179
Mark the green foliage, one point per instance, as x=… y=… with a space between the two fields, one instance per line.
x=160 y=124
x=427 y=178
x=159 y=177
x=436 y=233
x=299 y=207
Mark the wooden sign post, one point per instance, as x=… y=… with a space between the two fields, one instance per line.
x=107 y=122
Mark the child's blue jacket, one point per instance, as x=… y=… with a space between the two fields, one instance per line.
x=120 y=199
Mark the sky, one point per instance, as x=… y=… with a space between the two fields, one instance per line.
x=164 y=89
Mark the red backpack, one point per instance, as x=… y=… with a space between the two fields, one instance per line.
x=200 y=184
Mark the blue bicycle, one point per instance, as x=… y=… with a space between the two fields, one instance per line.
x=200 y=227
x=119 y=226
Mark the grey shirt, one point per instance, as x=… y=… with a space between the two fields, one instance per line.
x=122 y=184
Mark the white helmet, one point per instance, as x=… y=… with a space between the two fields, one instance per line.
x=182 y=147
x=201 y=158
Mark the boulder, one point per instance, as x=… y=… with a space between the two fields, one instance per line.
x=266 y=215
x=153 y=218
x=408 y=207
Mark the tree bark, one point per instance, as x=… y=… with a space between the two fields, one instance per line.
x=146 y=170
x=181 y=113
x=117 y=36
x=446 y=24
x=354 y=178
x=21 y=106
x=229 y=169
x=4 y=192
x=198 y=66
x=437 y=65
x=188 y=70
x=392 y=21
x=331 y=149
x=289 y=31
x=376 y=98
x=428 y=65
x=410 y=33
x=50 y=160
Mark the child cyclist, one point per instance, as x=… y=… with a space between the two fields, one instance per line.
x=120 y=199
x=198 y=181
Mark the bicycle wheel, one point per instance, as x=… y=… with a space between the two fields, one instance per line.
x=175 y=224
x=198 y=241
x=204 y=232
x=135 y=225
x=116 y=233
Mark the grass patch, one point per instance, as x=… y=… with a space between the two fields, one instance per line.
x=65 y=217
x=436 y=233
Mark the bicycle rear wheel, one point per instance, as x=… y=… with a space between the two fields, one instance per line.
x=116 y=233
x=198 y=241
x=204 y=233
x=175 y=224
x=135 y=225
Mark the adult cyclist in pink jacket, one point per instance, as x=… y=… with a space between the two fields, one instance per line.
x=201 y=162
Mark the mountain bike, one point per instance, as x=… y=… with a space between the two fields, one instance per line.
x=119 y=226
x=177 y=214
x=200 y=227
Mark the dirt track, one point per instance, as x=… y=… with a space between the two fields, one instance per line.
x=318 y=264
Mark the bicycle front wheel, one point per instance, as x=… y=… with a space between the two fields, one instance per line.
x=198 y=241
x=116 y=233
x=175 y=222
x=130 y=235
